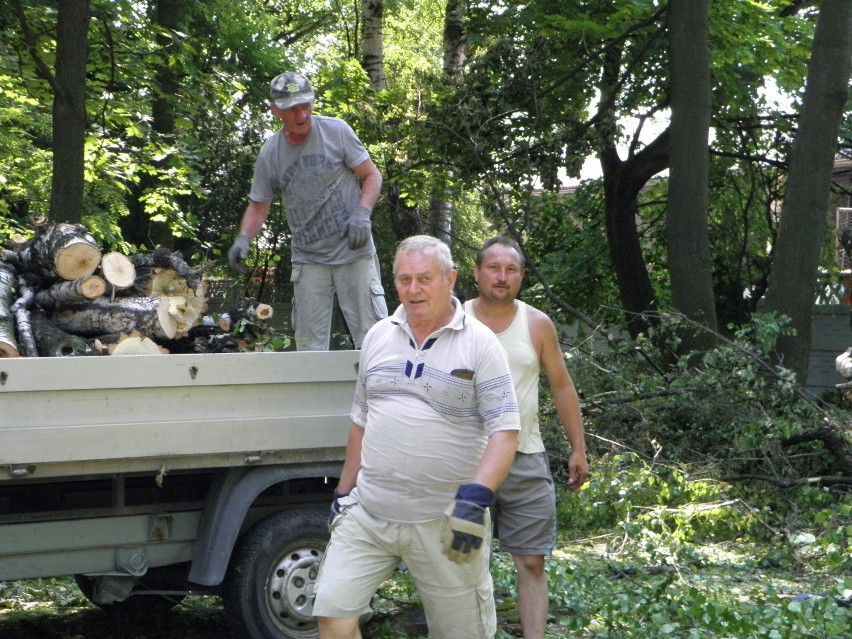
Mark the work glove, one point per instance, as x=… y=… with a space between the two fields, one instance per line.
x=358 y=229
x=465 y=523
x=339 y=504
x=237 y=253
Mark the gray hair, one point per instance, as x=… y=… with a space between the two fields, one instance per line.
x=428 y=246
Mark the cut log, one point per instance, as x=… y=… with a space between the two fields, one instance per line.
x=136 y=344
x=166 y=259
x=8 y=343
x=66 y=250
x=53 y=342
x=250 y=310
x=148 y=315
x=23 y=321
x=118 y=270
x=64 y=292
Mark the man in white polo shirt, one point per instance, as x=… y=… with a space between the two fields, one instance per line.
x=435 y=426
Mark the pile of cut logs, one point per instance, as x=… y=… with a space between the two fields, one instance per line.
x=60 y=296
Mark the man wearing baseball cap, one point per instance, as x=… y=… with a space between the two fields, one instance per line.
x=328 y=186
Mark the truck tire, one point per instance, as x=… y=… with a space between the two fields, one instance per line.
x=270 y=586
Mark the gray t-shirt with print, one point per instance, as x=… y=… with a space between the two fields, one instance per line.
x=318 y=189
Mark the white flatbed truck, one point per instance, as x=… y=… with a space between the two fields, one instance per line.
x=149 y=478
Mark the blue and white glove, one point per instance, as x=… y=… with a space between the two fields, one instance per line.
x=238 y=252
x=466 y=522
x=339 y=504
x=359 y=227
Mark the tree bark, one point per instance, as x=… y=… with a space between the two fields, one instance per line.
x=54 y=342
x=373 y=60
x=86 y=288
x=8 y=343
x=623 y=180
x=688 y=242
x=806 y=202
x=69 y=111
x=67 y=251
x=454 y=58
x=148 y=315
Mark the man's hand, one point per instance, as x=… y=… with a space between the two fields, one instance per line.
x=341 y=502
x=465 y=523
x=237 y=253
x=358 y=229
x=578 y=470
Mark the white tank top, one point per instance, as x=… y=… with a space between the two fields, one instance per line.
x=525 y=369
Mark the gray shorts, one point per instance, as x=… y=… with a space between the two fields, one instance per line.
x=359 y=292
x=363 y=551
x=525 y=507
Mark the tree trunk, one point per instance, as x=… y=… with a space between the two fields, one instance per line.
x=373 y=59
x=623 y=180
x=138 y=227
x=690 y=263
x=454 y=58
x=806 y=202
x=69 y=111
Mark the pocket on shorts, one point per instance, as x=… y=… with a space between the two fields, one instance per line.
x=295 y=276
x=487 y=608
x=377 y=301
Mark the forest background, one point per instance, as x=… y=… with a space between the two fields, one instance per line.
x=142 y=121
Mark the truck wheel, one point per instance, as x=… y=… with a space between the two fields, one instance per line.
x=165 y=578
x=271 y=583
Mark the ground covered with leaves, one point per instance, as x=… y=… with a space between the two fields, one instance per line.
x=679 y=568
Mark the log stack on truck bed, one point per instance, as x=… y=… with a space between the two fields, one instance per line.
x=60 y=296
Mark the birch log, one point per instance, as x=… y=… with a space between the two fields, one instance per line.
x=23 y=321
x=118 y=270
x=54 y=342
x=8 y=343
x=64 y=292
x=148 y=315
x=65 y=250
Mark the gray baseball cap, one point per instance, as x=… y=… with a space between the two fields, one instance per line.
x=289 y=89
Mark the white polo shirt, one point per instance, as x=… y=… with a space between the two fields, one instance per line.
x=428 y=413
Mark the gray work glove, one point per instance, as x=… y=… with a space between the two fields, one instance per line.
x=237 y=253
x=466 y=522
x=358 y=229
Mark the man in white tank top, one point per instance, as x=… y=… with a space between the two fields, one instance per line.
x=525 y=506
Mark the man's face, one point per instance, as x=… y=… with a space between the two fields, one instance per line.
x=296 y=119
x=423 y=288
x=499 y=276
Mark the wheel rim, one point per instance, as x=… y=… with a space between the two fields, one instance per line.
x=291 y=588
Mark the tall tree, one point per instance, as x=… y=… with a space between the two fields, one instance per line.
x=690 y=264
x=68 y=83
x=143 y=227
x=454 y=58
x=805 y=207
x=69 y=111
x=373 y=58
